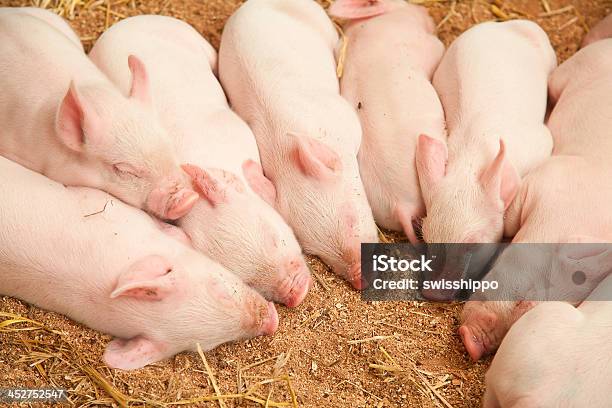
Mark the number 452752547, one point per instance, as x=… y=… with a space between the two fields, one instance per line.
x=32 y=395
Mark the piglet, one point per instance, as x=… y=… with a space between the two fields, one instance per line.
x=394 y=98
x=79 y=252
x=230 y=223
x=574 y=372
x=565 y=200
x=493 y=85
x=276 y=63
x=602 y=30
x=62 y=117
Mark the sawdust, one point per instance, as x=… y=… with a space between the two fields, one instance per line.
x=332 y=351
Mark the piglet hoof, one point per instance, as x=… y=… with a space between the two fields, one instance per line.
x=181 y=203
x=299 y=288
x=270 y=321
x=354 y=276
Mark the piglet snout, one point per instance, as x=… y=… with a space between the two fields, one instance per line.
x=180 y=203
x=353 y=275
x=473 y=344
x=269 y=323
x=478 y=333
x=296 y=284
x=259 y=317
x=171 y=203
x=351 y=265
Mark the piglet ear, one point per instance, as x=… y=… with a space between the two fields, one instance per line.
x=134 y=353
x=140 y=80
x=215 y=185
x=314 y=158
x=70 y=119
x=147 y=279
x=431 y=156
x=500 y=180
x=355 y=9
x=258 y=182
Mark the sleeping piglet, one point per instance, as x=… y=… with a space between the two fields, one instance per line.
x=79 y=252
x=493 y=85
x=391 y=56
x=556 y=356
x=565 y=200
x=276 y=63
x=230 y=223
x=63 y=118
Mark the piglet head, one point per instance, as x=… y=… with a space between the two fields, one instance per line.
x=321 y=195
x=175 y=305
x=244 y=232
x=463 y=206
x=126 y=151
